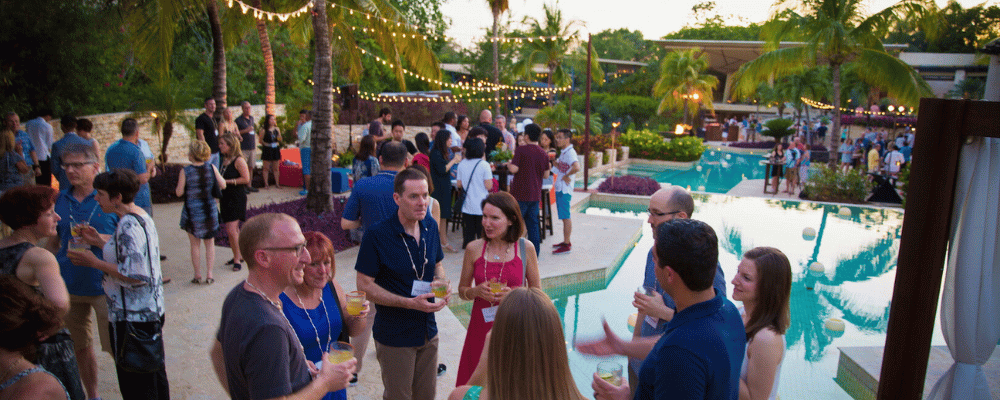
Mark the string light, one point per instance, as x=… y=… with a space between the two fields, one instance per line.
x=262 y=14
x=479 y=86
x=824 y=106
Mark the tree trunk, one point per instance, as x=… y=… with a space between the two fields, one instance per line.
x=319 y=198
x=834 y=133
x=809 y=136
x=265 y=47
x=218 y=59
x=168 y=131
x=552 y=92
x=685 y=111
x=496 y=60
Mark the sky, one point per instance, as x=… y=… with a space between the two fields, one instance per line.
x=654 y=18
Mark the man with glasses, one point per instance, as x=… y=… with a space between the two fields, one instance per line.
x=257 y=354
x=76 y=205
x=398 y=259
x=657 y=308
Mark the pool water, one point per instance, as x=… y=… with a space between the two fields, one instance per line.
x=717 y=171
x=858 y=247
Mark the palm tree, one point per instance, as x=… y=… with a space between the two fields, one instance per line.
x=265 y=48
x=682 y=80
x=551 y=53
x=555 y=117
x=835 y=33
x=218 y=57
x=813 y=83
x=319 y=198
x=497 y=7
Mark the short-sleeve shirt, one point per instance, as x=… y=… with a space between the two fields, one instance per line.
x=791 y=157
x=26 y=146
x=249 y=139
x=262 y=354
x=128 y=155
x=11 y=176
x=135 y=250
x=563 y=164
x=410 y=147
x=531 y=162
x=56 y=156
x=845 y=152
x=41 y=135
x=873 y=159
x=474 y=174
x=698 y=357
x=493 y=136
x=893 y=161
x=371 y=199
x=305 y=135
x=391 y=256
x=208 y=126
x=81 y=281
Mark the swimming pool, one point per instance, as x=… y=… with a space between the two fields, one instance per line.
x=858 y=249
x=716 y=172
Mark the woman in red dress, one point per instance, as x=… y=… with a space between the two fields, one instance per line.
x=502 y=256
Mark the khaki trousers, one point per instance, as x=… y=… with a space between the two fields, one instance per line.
x=408 y=373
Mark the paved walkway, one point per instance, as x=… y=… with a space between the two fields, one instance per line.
x=193 y=311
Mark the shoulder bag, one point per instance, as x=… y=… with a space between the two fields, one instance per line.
x=460 y=198
x=141 y=350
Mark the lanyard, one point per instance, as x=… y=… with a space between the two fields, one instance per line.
x=422 y=245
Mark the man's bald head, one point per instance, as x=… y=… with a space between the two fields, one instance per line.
x=669 y=203
x=485 y=116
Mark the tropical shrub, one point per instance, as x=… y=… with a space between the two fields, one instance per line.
x=597 y=143
x=308 y=220
x=629 y=184
x=778 y=128
x=832 y=184
x=651 y=146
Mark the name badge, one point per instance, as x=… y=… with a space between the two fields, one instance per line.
x=420 y=287
x=273 y=145
x=652 y=321
x=490 y=313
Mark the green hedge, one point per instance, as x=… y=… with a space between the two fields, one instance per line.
x=651 y=146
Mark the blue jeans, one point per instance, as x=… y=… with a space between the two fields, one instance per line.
x=529 y=211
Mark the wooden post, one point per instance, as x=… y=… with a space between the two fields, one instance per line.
x=586 y=123
x=942 y=128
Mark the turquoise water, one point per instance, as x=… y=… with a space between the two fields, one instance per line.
x=858 y=250
x=717 y=171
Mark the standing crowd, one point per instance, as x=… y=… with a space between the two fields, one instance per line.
x=290 y=330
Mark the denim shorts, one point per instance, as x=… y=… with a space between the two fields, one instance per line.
x=306 y=155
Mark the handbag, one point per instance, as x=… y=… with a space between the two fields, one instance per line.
x=460 y=198
x=141 y=349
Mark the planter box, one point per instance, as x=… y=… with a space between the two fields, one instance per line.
x=598 y=159
x=624 y=153
x=612 y=154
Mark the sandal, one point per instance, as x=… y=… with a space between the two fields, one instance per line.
x=209 y=281
x=237 y=266
x=230 y=262
x=196 y=281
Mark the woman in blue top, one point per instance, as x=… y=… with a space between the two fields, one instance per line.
x=316 y=309
x=846 y=151
x=365 y=164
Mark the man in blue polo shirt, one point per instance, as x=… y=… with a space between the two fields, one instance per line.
x=700 y=354
x=126 y=153
x=371 y=198
x=68 y=125
x=397 y=261
x=77 y=205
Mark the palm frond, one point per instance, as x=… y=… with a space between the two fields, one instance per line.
x=768 y=66
x=891 y=74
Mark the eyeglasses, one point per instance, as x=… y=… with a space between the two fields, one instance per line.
x=297 y=249
x=660 y=214
x=76 y=165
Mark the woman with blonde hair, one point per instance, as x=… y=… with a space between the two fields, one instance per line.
x=234 y=197
x=200 y=217
x=525 y=356
x=763 y=282
x=228 y=124
x=12 y=165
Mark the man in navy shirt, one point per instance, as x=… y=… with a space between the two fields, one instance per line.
x=656 y=309
x=700 y=354
x=397 y=261
x=76 y=204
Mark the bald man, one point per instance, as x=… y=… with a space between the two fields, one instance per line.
x=493 y=134
x=658 y=308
